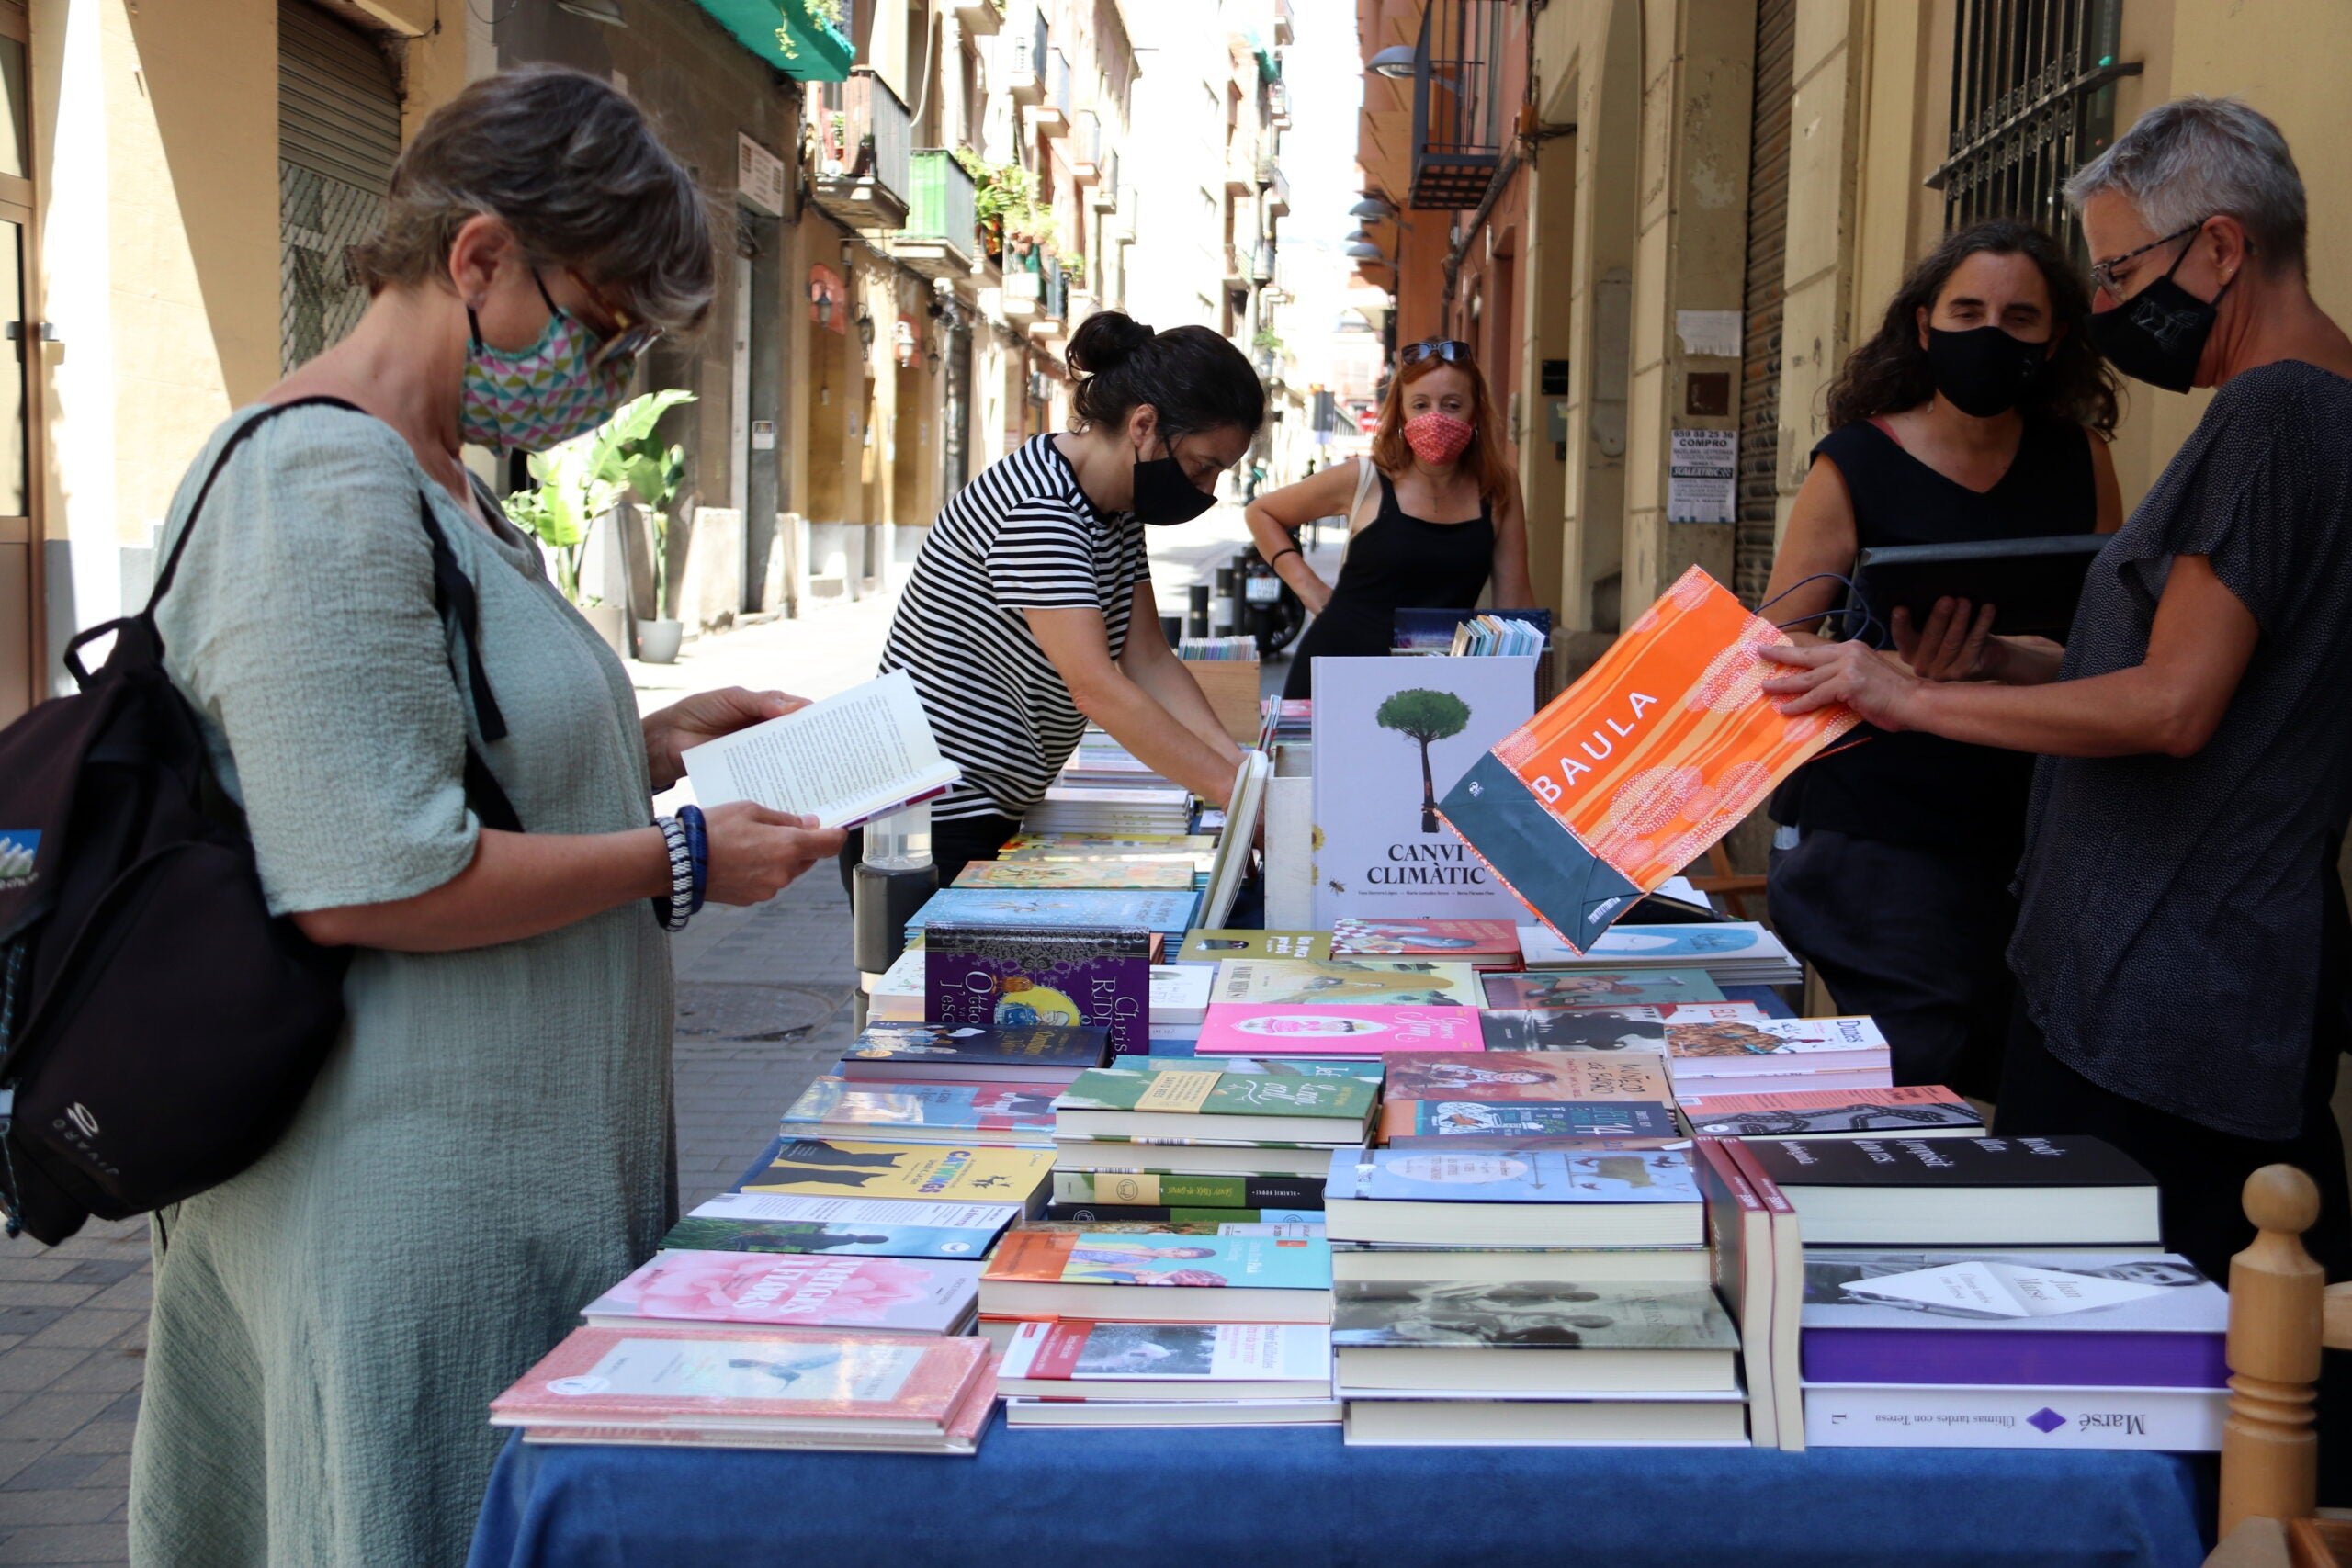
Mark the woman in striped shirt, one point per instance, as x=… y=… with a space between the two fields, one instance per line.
x=1030 y=611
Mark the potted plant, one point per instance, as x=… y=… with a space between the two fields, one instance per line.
x=588 y=477
x=653 y=473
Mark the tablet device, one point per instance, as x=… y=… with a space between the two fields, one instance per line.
x=2031 y=583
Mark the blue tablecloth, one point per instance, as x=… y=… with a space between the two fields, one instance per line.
x=1237 y=1497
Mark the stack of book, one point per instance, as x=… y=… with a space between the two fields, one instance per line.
x=1734 y=953
x=1491 y=635
x=1235 y=1287
x=1170 y=875
x=1287 y=721
x=1197 y=849
x=1180 y=1006
x=1010 y=1114
x=1098 y=760
x=898 y=1053
x=663 y=1383
x=1086 y=1373
x=1176 y=1137
x=1493 y=1290
x=1167 y=915
x=1111 y=809
x=780 y=1290
x=2034 y=1350
x=1771 y=1054
x=1982 y=1293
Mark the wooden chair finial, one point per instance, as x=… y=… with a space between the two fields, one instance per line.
x=2281 y=1198
x=2270 y=1457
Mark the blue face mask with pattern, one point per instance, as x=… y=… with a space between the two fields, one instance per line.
x=532 y=398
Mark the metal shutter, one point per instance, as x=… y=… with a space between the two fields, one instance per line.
x=1767 y=227
x=338 y=135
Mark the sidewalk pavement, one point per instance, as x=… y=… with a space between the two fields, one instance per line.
x=764 y=1005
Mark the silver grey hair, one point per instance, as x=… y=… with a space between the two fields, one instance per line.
x=569 y=162
x=2195 y=158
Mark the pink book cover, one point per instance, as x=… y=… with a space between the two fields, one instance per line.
x=670 y=1374
x=793 y=1291
x=1253 y=1029
x=960 y=1436
x=1423 y=939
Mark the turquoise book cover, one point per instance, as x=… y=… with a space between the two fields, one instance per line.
x=1301 y=1263
x=1512 y=1175
x=1170 y=914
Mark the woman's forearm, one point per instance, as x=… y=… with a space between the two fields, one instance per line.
x=518 y=885
x=2130 y=713
x=1279 y=547
x=1159 y=739
x=1160 y=673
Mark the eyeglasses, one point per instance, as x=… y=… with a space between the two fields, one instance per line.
x=628 y=340
x=1453 y=350
x=2103 y=273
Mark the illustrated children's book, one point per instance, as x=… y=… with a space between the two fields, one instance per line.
x=1637 y=769
x=1601 y=988
x=771 y=1221
x=999 y=977
x=1478 y=943
x=1391 y=736
x=924 y=1113
x=1404 y=982
x=820 y=1167
x=1244 y=1029
x=1519 y=1075
x=793 y=1293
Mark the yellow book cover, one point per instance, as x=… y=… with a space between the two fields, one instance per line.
x=1401 y=982
x=821 y=1167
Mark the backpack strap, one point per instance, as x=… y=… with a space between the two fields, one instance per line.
x=460 y=607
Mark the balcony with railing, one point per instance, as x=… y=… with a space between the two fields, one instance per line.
x=1276 y=185
x=1107 y=187
x=1025 y=67
x=1278 y=105
x=1457 y=103
x=1261 y=265
x=865 y=153
x=941 y=237
x=1237 y=266
x=1050 y=320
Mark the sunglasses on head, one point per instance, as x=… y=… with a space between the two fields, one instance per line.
x=1453 y=350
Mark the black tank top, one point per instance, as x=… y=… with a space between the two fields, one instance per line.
x=1923 y=789
x=1394 y=562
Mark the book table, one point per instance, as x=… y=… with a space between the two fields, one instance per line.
x=1233 y=1497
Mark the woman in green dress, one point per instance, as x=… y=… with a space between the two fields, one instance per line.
x=488 y=1145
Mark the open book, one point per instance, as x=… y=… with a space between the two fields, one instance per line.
x=852 y=756
x=1233 y=846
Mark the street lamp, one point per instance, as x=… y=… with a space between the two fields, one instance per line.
x=1373 y=210
x=1396 y=63
x=1364 y=250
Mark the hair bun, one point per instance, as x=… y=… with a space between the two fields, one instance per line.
x=1105 y=340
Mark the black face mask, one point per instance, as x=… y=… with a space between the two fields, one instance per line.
x=1164 y=494
x=2158 y=334
x=1984 y=371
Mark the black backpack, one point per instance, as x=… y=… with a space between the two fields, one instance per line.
x=158 y=1027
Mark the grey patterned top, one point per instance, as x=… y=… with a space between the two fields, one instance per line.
x=2168 y=942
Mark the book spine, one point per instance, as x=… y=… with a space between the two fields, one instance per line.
x=2044 y=1417
x=1197 y=1191
x=2028 y=1357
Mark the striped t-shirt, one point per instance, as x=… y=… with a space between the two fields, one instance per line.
x=1020 y=535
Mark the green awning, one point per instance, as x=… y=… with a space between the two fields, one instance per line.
x=788 y=35
x=1268 y=68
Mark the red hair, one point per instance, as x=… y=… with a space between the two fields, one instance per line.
x=1483 y=460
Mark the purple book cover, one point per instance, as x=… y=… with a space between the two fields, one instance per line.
x=2032 y=1359
x=1001 y=976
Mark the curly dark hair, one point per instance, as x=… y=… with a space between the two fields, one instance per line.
x=1890 y=374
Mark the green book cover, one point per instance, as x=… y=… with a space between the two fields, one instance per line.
x=1215 y=1093
x=1178 y=1190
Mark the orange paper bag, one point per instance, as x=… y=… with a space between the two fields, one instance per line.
x=1632 y=773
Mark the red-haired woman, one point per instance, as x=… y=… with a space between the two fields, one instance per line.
x=1431 y=514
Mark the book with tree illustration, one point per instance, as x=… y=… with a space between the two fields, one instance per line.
x=1390 y=737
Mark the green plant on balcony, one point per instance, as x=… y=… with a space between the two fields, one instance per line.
x=1267 y=340
x=1074 y=268
x=826 y=13
x=1004 y=200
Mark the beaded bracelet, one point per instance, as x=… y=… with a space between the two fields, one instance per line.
x=677 y=907
x=698 y=852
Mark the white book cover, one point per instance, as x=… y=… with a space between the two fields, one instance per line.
x=1392 y=736
x=842 y=759
x=1896 y=1416
x=1180 y=995
x=1173 y=1353
x=1704 y=945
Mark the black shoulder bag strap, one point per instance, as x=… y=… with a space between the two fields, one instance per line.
x=453 y=599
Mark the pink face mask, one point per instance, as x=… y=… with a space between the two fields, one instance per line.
x=1437 y=437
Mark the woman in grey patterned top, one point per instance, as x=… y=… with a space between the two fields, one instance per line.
x=2181 y=940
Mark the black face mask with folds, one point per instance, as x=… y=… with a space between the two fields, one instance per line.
x=2158 y=334
x=1165 y=493
x=1984 y=371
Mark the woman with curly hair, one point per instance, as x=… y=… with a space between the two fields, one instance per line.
x=1979 y=410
